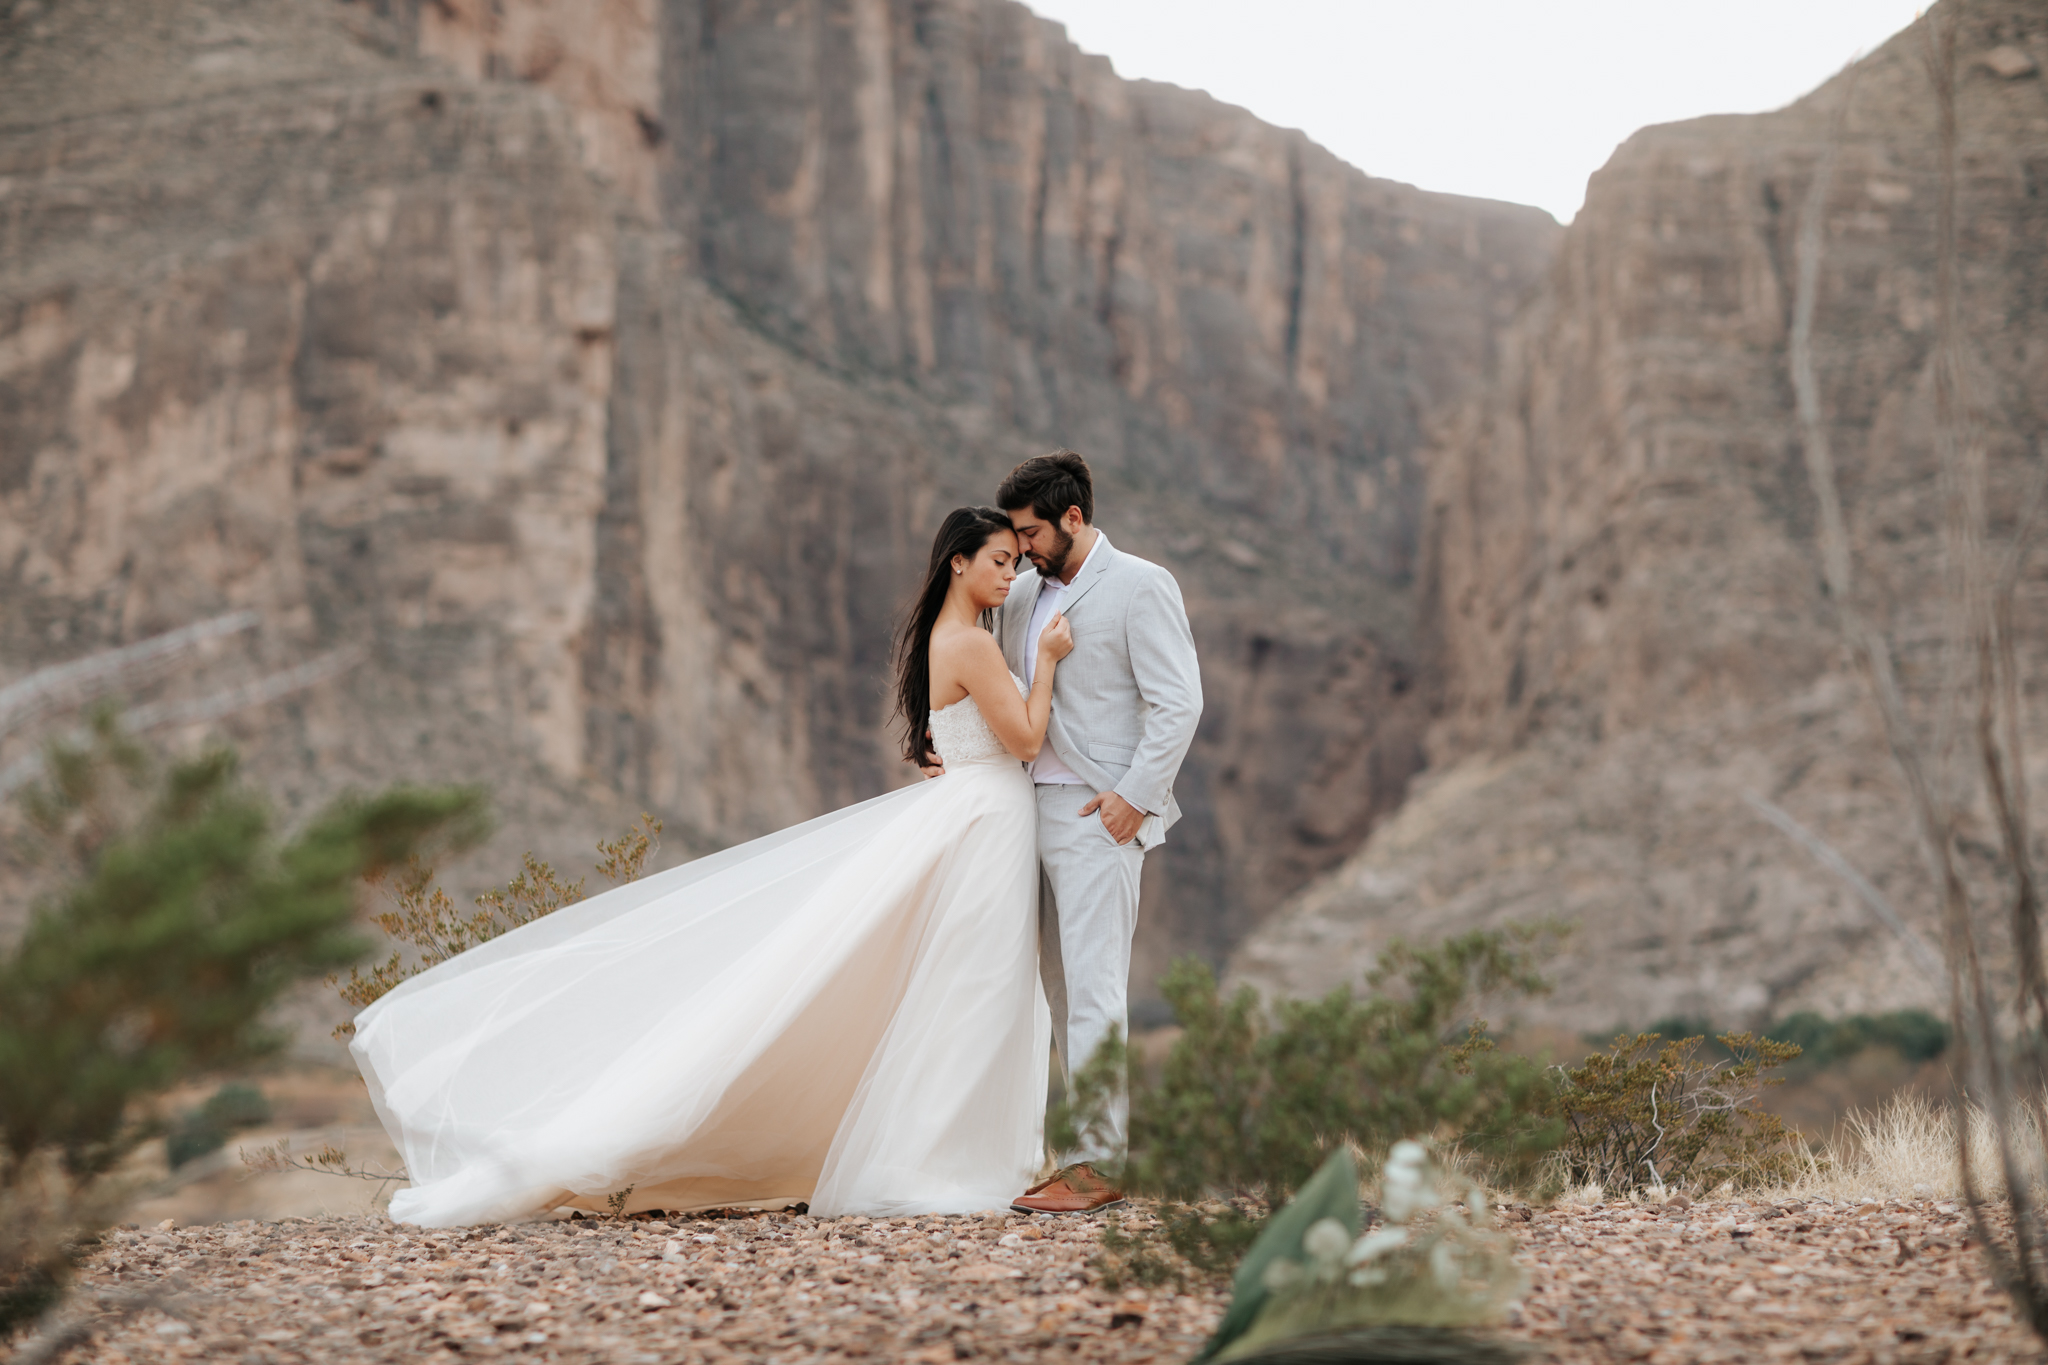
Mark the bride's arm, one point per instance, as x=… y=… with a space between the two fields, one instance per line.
x=977 y=661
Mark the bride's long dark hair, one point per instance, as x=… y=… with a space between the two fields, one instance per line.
x=964 y=531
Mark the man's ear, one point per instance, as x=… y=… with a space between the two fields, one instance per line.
x=1071 y=520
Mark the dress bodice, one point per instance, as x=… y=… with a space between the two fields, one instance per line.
x=960 y=733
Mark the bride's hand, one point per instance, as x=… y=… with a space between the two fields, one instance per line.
x=1058 y=641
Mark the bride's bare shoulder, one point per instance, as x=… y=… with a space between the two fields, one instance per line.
x=965 y=645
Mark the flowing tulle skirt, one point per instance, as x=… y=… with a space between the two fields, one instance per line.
x=845 y=1013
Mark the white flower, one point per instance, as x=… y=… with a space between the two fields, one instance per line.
x=1443 y=1263
x=1326 y=1241
x=1375 y=1244
x=1475 y=1200
x=1279 y=1275
x=1368 y=1275
x=1404 y=1193
x=1405 y=1186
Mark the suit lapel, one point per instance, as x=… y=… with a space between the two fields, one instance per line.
x=1091 y=573
x=1017 y=618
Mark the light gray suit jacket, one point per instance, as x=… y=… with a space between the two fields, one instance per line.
x=1125 y=703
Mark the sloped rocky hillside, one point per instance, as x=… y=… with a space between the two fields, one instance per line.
x=1631 y=634
x=598 y=368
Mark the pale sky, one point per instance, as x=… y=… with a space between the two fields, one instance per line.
x=1506 y=99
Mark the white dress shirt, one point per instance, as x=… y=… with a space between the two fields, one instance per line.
x=1047 y=770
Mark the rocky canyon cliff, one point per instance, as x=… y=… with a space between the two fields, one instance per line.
x=1632 y=641
x=597 y=369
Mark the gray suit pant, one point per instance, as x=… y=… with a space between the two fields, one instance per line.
x=1087 y=914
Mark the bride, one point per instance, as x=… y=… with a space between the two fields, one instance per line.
x=846 y=1013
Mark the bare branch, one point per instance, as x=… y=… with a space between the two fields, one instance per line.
x=1982 y=638
x=329 y=1160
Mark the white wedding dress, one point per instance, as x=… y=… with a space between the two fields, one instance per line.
x=846 y=1013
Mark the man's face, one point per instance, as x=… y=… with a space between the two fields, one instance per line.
x=1046 y=543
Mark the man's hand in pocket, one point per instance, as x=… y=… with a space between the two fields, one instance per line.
x=1119 y=816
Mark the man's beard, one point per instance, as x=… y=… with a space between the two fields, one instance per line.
x=1055 y=563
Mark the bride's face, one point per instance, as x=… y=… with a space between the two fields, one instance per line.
x=987 y=577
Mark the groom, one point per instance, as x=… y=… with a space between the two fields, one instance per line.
x=1124 y=708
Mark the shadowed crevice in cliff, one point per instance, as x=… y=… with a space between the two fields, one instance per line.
x=1623 y=597
x=397 y=323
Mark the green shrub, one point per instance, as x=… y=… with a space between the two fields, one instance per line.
x=206 y=1129
x=182 y=919
x=192 y=1137
x=1650 y=1113
x=1915 y=1035
x=1252 y=1099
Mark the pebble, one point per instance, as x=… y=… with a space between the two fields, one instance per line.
x=1805 y=1281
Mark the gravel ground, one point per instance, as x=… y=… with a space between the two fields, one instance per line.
x=1718 y=1282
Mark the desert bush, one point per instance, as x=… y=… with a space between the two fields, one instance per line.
x=206 y=1129
x=182 y=916
x=1652 y=1113
x=429 y=930
x=1252 y=1099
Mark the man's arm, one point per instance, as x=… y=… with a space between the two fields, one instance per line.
x=1162 y=652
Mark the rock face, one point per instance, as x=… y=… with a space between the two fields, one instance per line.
x=1622 y=580
x=600 y=368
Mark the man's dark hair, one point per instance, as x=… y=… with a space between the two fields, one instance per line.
x=1049 y=485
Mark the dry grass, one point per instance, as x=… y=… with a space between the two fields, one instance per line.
x=1906 y=1149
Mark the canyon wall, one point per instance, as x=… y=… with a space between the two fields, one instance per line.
x=600 y=368
x=1631 y=639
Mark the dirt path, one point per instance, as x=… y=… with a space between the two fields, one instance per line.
x=1808 y=1282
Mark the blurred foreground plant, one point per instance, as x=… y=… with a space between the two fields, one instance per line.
x=183 y=917
x=1312 y=1288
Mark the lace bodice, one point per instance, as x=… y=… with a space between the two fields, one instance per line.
x=961 y=735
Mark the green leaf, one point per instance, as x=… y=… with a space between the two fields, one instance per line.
x=1332 y=1192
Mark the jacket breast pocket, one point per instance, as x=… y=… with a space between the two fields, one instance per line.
x=1112 y=755
x=1096 y=631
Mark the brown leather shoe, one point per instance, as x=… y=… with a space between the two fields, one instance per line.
x=1077 y=1189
